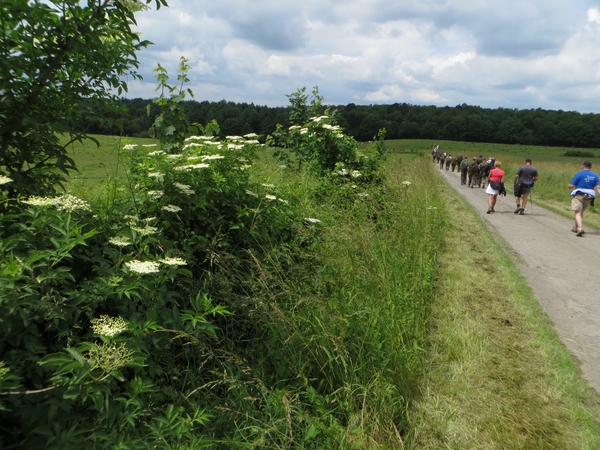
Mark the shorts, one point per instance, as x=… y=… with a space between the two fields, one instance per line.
x=578 y=203
x=525 y=190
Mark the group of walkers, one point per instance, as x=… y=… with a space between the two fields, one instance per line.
x=584 y=184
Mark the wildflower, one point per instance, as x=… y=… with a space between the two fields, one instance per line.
x=153 y=195
x=251 y=193
x=192 y=167
x=355 y=174
x=270 y=186
x=282 y=166
x=174 y=156
x=362 y=194
x=109 y=357
x=245 y=166
x=171 y=208
x=184 y=188
x=41 y=201
x=406 y=183
x=198 y=138
x=294 y=127
x=149 y=145
x=149 y=219
x=108 y=326
x=354 y=186
x=343 y=172
x=234 y=147
x=142 y=267
x=252 y=141
x=131 y=219
x=159 y=176
x=270 y=197
x=130 y=146
x=120 y=241
x=211 y=157
x=173 y=261
x=304 y=131
x=283 y=201
x=5 y=180
x=251 y=135
x=156 y=153
x=191 y=145
x=312 y=220
x=235 y=138
x=146 y=231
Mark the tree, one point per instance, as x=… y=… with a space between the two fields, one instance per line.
x=54 y=54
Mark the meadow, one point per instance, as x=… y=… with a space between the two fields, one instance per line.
x=397 y=313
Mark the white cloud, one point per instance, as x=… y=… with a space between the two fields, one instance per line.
x=515 y=53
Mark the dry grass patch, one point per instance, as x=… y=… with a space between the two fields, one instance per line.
x=497 y=377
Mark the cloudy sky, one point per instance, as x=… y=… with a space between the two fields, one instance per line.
x=492 y=53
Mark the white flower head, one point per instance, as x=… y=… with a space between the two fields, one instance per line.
x=108 y=326
x=130 y=146
x=270 y=186
x=146 y=231
x=355 y=174
x=251 y=193
x=312 y=220
x=406 y=183
x=251 y=135
x=362 y=194
x=211 y=157
x=120 y=241
x=149 y=145
x=142 y=267
x=5 y=180
x=171 y=208
x=156 y=153
x=153 y=195
x=270 y=197
x=173 y=261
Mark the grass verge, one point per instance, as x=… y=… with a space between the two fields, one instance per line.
x=497 y=376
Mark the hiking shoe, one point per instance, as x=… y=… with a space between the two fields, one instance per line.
x=521 y=211
x=518 y=209
x=493 y=210
x=580 y=232
x=489 y=211
x=574 y=229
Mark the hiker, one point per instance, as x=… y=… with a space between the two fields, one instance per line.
x=583 y=194
x=474 y=173
x=464 y=167
x=496 y=185
x=448 y=161
x=523 y=182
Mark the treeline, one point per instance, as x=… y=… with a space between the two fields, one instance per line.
x=401 y=120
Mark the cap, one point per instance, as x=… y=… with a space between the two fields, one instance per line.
x=587 y=164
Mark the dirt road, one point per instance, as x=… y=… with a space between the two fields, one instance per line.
x=561 y=268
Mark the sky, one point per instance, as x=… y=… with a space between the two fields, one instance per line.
x=521 y=54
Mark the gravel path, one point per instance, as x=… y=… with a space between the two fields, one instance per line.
x=560 y=268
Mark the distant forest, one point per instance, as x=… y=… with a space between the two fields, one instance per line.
x=401 y=120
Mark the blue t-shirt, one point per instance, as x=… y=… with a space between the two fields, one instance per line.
x=585 y=181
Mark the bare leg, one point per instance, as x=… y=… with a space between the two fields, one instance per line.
x=525 y=201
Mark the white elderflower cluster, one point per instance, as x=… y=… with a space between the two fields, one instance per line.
x=5 y=180
x=153 y=195
x=156 y=153
x=171 y=208
x=294 y=127
x=362 y=194
x=130 y=146
x=343 y=172
x=173 y=261
x=108 y=326
x=149 y=145
x=355 y=174
x=120 y=241
x=283 y=201
x=184 y=188
x=234 y=147
x=71 y=203
x=211 y=157
x=251 y=193
x=142 y=267
x=146 y=231
x=190 y=167
x=109 y=357
x=199 y=138
x=157 y=175
x=174 y=156
x=270 y=197
x=270 y=186
x=312 y=220
x=252 y=141
x=318 y=119
x=234 y=138
x=406 y=183
x=40 y=201
x=251 y=135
